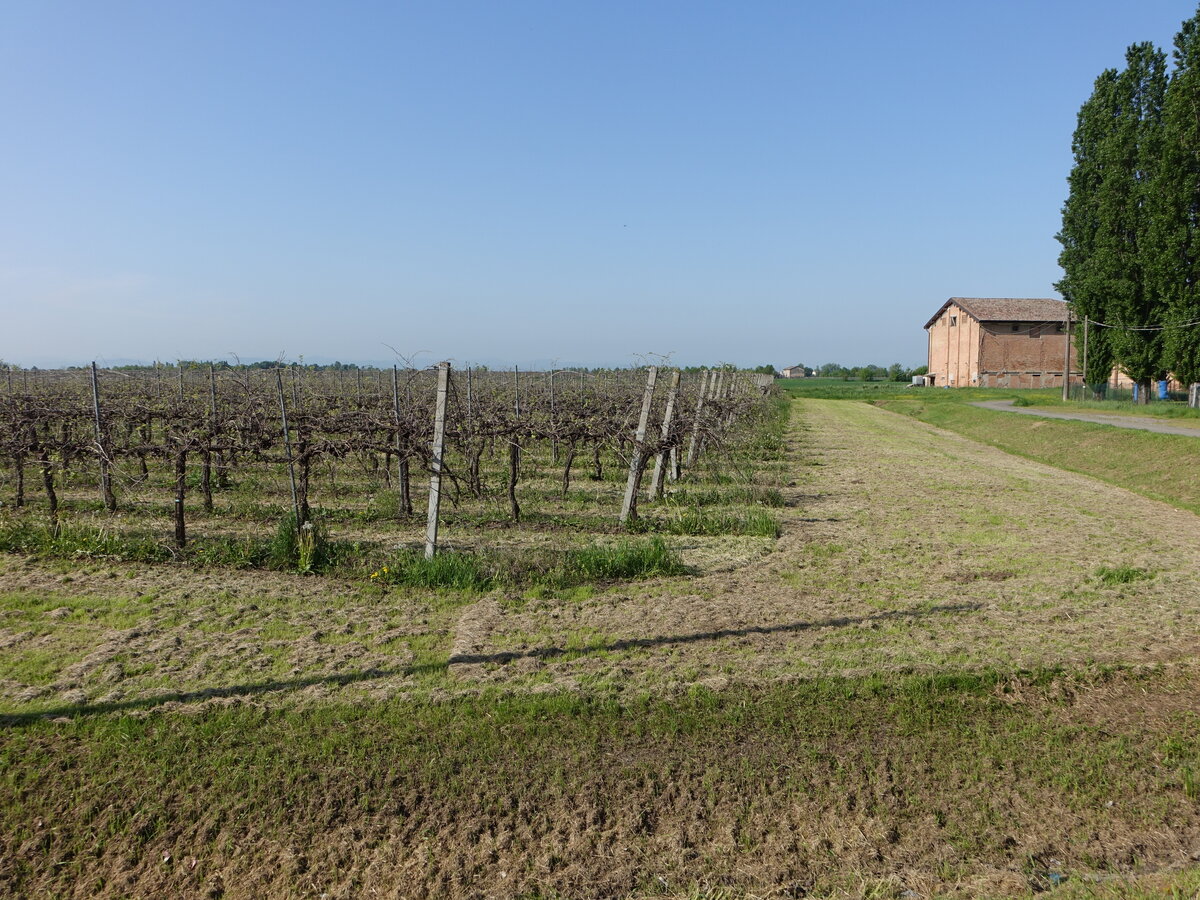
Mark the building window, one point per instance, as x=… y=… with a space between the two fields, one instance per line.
x=953 y=321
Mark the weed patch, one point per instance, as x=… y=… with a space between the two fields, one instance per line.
x=1122 y=575
x=531 y=568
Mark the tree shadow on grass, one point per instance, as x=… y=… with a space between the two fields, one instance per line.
x=348 y=678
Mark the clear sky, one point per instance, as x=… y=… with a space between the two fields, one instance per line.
x=507 y=181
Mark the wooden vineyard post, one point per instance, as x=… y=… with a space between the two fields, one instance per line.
x=222 y=464
x=287 y=446
x=637 y=459
x=180 y=493
x=106 y=491
x=514 y=450
x=693 y=444
x=660 y=462
x=404 y=507
x=435 y=462
x=553 y=434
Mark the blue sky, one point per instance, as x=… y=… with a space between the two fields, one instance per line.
x=523 y=182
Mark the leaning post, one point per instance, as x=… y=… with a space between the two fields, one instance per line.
x=637 y=459
x=660 y=462
x=435 y=466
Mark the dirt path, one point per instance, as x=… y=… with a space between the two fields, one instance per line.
x=903 y=547
x=906 y=546
x=1138 y=423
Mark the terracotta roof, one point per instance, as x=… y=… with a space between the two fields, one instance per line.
x=1008 y=309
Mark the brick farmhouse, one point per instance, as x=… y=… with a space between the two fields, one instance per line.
x=997 y=342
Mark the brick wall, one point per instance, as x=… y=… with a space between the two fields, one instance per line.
x=954 y=348
x=1031 y=356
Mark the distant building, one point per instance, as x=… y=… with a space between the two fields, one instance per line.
x=796 y=371
x=998 y=342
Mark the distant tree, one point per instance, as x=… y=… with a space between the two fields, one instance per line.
x=897 y=372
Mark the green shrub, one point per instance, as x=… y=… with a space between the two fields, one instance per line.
x=306 y=549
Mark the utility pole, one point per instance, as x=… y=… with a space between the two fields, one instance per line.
x=1067 y=362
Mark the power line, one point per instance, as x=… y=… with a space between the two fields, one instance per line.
x=1191 y=324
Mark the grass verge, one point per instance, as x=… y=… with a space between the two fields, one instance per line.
x=1154 y=465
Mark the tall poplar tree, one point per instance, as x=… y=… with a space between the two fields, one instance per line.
x=1083 y=284
x=1127 y=206
x=1175 y=225
x=1107 y=255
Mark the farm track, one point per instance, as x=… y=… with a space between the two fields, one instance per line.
x=1137 y=423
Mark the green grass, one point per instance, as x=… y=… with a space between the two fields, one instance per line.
x=77 y=540
x=531 y=568
x=700 y=521
x=998 y=768
x=1121 y=575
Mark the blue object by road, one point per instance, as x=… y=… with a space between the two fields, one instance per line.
x=1162 y=390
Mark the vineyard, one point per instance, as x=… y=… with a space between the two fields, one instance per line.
x=258 y=467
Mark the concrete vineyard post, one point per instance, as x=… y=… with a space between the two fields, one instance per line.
x=435 y=462
x=693 y=444
x=637 y=459
x=660 y=462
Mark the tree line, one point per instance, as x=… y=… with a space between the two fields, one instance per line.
x=869 y=372
x=1131 y=222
